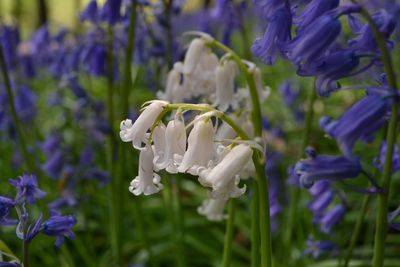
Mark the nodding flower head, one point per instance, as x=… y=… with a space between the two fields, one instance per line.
x=111 y=11
x=312 y=11
x=201 y=148
x=175 y=146
x=319 y=167
x=136 y=132
x=213 y=208
x=90 y=13
x=360 y=122
x=316 y=248
x=331 y=218
x=225 y=84
x=6 y=204
x=193 y=55
x=223 y=178
x=267 y=8
x=27 y=189
x=147 y=182
x=59 y=226
x=278 y=31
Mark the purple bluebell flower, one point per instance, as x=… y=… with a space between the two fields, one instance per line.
x=25 y=102
x=365 y=42
x=9 y=40
x=332 y=218
x=360 y=122
x=111 y=11
x=9 y=264
x=267 y=8
x=6 y=204
x=67 y=200
x=312 y=11
x=316 y=38
x=76 y=87
x=51 y=144
x=278 y=31
x=379 y=162
x=316 y=248
x=98 y=60
x=319 y=167
x=59 y=226
x=54 y=165
x=288 y=93
x=27 y=189
x=392 y=217
x=90 y=13
x=330 y=68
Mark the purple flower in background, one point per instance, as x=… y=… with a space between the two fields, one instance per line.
x=25 y=103
x=66 y=200
x=75 y=86
x=360 y=122
x=111 y=11
x=319 y=167
x=379 y=162
x=59 y=226
x=90 y=13
x=27 y=189
x=289 y=94
x=9 y=264
x=331 y=218
x=316 y=248
x=278 y=31
x=312 y=11
x=9 y=40
x=54 y=165
x=6 y=204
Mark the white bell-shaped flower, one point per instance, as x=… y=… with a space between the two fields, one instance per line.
x=147 y=182
x=223 y=178
x=213 y=209
x=159 y=140
x=225 y=84
x=193 y=55
x=174 y=90
x=175 y=146
x=201 y=148
x=137 y=132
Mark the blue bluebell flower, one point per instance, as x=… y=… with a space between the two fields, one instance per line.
x=9 y=40
x=67 y=200
x=321 y=167
x=27 y=189
x=312 y=11
x=288 y=93
x=6 y=205
x=25 y=103
x=54 y=165
x=76 y=87
x=332 y=218
x=267 y=8
x=316 y=38
x=111 y=11
x=360 y=122
x=9 y=264
x=278 y=31
x=379 y=162
x=365 y=42
x=332 y=67
x=90 y=13
x=59 y=226
x=316 y=248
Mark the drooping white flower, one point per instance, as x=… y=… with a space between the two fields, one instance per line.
x=225 y=84
x=193 y=55
x=200 y=148
x=175 y=146
x=174 y=90
x=147 y=182
x=159 y=140
x=213 y=209
x=137 y=132
x=223 y=178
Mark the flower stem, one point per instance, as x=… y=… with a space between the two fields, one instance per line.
x=296 y=192
x=127 y=81
x=14 y=115
x=26 y=253
x=255 y=226
x=383 y=199
x=230 y=227
x=356 y=232
x=258 y=158
x=179 y=223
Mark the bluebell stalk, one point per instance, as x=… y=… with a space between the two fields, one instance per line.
x=360 y=122
x=320 y=167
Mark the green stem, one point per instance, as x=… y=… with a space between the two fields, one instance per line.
x=255 y=226
x=296 y=192
x=179 y=223
x=14 y=115
x=258 y=158
x=230 y=227
x=383 y=199
x=127 y=81
x=356 y=232
x=26 y=253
